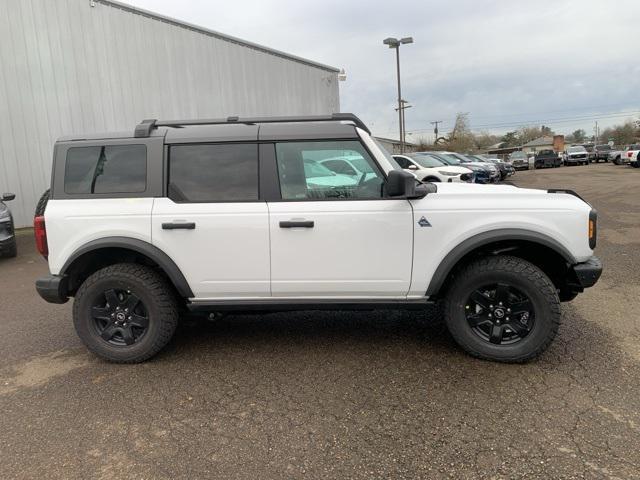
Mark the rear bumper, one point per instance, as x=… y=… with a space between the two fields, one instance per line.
x=53 y=288
x=587 y=273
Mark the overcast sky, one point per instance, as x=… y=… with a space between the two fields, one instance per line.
x=562 y=63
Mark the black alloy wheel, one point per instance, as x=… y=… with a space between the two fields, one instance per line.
x=120 y=317
x=500 y=314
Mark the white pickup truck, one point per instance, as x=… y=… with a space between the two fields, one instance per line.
x=234 y=215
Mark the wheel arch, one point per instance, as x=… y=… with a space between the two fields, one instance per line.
x=542 y=250
x=103 y=252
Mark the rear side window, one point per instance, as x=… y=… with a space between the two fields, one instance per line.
x=213 y=173
x=106 y=169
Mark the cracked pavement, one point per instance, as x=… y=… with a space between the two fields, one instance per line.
x=380 y=394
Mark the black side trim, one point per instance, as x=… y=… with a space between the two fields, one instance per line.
x=567 y=191
x=456 y=254
x=154 y=253
x=279 y=305
x=53 y=288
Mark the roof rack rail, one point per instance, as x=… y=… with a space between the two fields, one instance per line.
x=146 y=126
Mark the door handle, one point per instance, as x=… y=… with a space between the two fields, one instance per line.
x=179 y=226
x=297 y=224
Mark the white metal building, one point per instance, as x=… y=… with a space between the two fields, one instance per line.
x=76 y=66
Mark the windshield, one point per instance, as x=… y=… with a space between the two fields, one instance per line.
x=313 y=169
x=450 y=159
x=603 y=147
x=386 y=154
x=518 y=156
x=360 y=164
x=427 y=161
x=576 y=150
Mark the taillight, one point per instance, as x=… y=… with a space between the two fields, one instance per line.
x=40 y=232
x=629 y=154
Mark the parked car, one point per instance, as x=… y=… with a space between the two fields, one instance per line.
x=576 y=155
x=350 y=164
x=506 y=169
x=428 y=168
x=629 y=155
x=8 y=246
x=481 y=174
x=547 y=159
x=492 y=170
x=615 y=155
x=140 y=226
x=519 y=160
x=600 y=152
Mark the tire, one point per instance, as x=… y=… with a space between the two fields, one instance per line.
x=93 y=312
x=521 y=339
x=42 y=204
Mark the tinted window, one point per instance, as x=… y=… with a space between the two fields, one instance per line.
x=106 y=169
x=403 y=162
x=304 y=175
x=213 y=173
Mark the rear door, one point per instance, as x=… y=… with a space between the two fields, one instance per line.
x=331 y=236
x=212 y=222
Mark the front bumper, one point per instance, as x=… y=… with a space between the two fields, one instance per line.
x=53 y=288
x=587 y=273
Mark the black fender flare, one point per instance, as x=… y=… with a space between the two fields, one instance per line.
x=140 y=246
x=472 y=243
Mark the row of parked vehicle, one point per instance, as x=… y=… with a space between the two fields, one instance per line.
x=443 y=166
x=575 y=155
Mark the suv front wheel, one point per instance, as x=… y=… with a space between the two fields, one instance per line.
x=502 y=308
x=125 y=313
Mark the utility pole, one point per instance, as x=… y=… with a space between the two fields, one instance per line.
x=405 y=105
x=395 y=43
x=597 y=133
x=435 y=130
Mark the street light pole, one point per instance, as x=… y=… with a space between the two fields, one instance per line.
x=399 y=100
x=395 y=43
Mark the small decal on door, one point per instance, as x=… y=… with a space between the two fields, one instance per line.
x=423 y=222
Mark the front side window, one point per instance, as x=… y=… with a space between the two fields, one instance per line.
x=213 y=173
x=306 y=173
x=106 y=169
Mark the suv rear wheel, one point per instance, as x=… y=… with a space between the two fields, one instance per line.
x=503 y=309
x=125 y=313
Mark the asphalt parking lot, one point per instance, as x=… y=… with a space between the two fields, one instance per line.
x=334 y=394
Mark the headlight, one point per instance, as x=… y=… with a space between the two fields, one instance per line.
x=448 y=174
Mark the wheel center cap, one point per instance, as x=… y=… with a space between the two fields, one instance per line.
x=120 y=316
x=498 y=312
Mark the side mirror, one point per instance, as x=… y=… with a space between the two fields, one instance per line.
x=403 y=184
x=412 y=167
x=7 y=197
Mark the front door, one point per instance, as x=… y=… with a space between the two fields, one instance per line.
x=333 y=235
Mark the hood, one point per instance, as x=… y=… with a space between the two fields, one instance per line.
x=475 y=188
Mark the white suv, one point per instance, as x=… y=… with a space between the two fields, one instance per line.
x=233 y=214
x=428 y=168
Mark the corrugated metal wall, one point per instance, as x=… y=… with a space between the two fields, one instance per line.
x=69 y=67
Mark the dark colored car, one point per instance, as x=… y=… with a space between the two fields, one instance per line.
x=600 y=152
x=547 y=159
x=481 y=174
x=8 y=247
x=506 y=169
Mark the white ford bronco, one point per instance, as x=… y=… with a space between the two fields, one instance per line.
x=241 y=214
